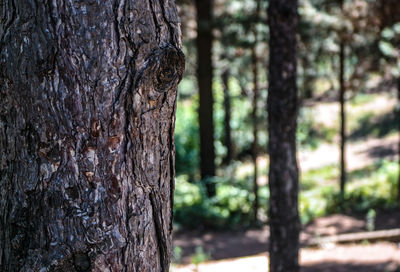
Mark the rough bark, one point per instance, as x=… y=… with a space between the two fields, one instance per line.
x=227 y=118
x=87 y=111
x=282 y=116
x=204 y=78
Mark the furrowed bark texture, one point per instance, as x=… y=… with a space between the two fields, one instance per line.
x=87 y=112
x=282 y=117
x=206 y=100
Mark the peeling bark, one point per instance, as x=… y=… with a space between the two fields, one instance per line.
x=87 y=112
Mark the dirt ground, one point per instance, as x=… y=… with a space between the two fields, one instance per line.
x=380 y=257
x=230 y=250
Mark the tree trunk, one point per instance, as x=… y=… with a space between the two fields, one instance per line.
x=87 y=111
x=282 y=116
x=254 y=116
x=308 y=91
x=227 y=119
x=398 y=116
x=206 y=101
x=254 y=151
x=342 y=101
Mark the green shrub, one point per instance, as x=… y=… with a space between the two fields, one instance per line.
x=186 y=139
x=378 y=191
x=230 y=208
x=309 y=133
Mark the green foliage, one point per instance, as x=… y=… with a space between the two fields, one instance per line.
x=230 y=208
x=177 y=254
x=318 y=177
x=370 y=218
x=377 y=126
x=200 y=256
x=368 y=189
x=377 y=191
x=310 y=134
x=361 y=98
x=186 y=139
x=314 y=203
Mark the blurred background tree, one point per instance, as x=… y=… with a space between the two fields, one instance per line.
x=348 y=124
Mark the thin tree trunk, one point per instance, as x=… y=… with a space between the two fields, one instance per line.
x=227 y=118
x=206 y=101
x=87 y=111
x=342 y=101
x=398 y=116
x=254 y=119
x=282 y=116
x=307 y=80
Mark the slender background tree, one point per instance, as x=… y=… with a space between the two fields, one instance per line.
x=204 y=42
x=282 y=124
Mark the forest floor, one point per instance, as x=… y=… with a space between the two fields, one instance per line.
x=380 y=257
x=246 y=250
x=371 y=129
x=371 y=138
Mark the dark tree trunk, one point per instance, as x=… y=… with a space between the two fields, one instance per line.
x=342 y=101
x=282 y=116
x=254 y=115
x=254 y=148
x=398 y=116
x=227 y=118
x=206 y=101
x=87 y=113
x=307 y=80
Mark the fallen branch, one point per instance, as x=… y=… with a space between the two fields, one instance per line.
x=392 y=235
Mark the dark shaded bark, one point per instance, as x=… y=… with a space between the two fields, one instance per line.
x=282 y=116
x=87 y=112
x=227 y=118
x=204 y=78
x=342 y=101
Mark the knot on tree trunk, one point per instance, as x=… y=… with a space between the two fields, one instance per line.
x=163 y=69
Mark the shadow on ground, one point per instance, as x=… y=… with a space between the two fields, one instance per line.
x=350 y=267
x=233 y=244
x=223 y=244
x=379 y=126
